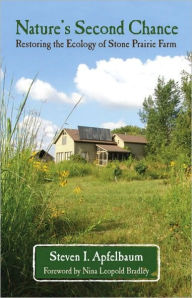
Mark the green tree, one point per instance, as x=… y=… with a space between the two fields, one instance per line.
x=182 y=133
x=130 y=129
x=160 y=114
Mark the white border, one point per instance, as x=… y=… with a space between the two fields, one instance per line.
x=96 y=280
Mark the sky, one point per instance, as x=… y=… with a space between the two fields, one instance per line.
x=112 y=81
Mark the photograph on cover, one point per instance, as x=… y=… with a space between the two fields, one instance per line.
x=95 y=148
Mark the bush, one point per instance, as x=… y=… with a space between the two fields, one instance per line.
x=140 y=168
x=117 y=172
x=77 y=158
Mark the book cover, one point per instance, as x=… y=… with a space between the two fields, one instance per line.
x=95 y=148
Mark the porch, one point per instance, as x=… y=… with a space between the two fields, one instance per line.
x=106 y=153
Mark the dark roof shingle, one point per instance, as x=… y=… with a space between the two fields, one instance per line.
x=74 y=134
x=132 y=139
x=112 y=148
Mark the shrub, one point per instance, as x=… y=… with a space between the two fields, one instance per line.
x=117 y=172
x=140 y=167
x=77 y=158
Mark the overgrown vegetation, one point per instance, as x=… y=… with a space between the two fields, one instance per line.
x=77 y=158
x=145 y=211
x=167 y=116
x=26 y=215
x=145 y=201
x=75 y=168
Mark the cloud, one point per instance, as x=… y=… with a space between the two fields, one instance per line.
x=1 y=74
x=43 y=130
x=44 y=91
x=126 y=83
x=113 y=125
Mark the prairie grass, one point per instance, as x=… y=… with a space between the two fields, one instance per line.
x=25 y=218
x=75 y=169
x=153 y=169
x=146 y=212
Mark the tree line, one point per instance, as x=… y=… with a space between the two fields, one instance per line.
x=167 y=118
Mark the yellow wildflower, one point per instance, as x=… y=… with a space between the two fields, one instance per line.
x=63 y=183
x=45 y=168
x=37 y=164
x=77 y=190
x=64 y=174
x=54 y=215
x=172 y=163
x=184 y=166
x=33 y=153
x=54 y=212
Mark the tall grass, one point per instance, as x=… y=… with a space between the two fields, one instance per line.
x=75 y=169
x=24 y=203
x=130 y=170
x=146 y=211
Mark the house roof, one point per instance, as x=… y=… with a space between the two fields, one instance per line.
x=42 y=154
x=132 y=139
x=74 y=134
x=112 y=148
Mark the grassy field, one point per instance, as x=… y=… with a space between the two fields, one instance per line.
x=81 y=203
x=96 y=209
x=118 y=212
x=92 y=211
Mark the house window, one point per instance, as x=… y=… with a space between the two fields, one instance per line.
x=63 y=156
x=64 y=140
x=68 y=155
x=59 y=156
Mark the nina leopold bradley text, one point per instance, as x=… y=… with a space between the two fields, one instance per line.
x=135 y=27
